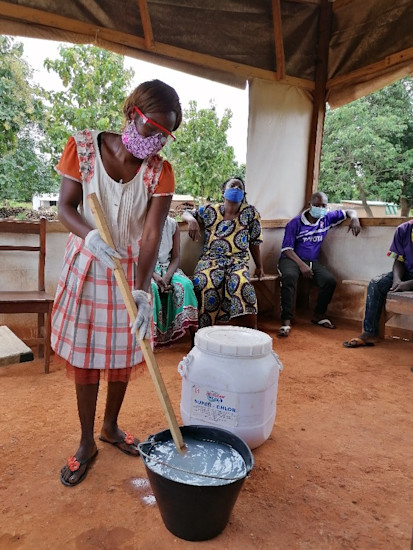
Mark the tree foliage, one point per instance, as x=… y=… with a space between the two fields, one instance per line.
x=19 y=101
x=95 y=86
x=368 y=148
x=26 y=171
x=201 y=156
x=23 y=169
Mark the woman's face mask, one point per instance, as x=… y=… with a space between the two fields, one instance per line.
x=318 y=211
x=139 y=146
x=234 y=194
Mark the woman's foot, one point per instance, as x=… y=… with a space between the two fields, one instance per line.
x=77 y=466
x=124 y=441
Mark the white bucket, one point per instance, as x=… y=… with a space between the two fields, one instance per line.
x=230 y=380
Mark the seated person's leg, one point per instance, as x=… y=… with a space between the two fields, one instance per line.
x=157 y=310
x=183 y=290
x=327 y=285
x=290 y=274
x=208 y=286
x=240 y=302
x=376 y=296
x=183 y=302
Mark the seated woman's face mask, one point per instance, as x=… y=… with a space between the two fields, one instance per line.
x=234 y=194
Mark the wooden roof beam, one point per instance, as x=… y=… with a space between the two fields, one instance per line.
x=93 y=34
x=314 y=2
x=146 y=24
x=359 y=74
x=278 y=40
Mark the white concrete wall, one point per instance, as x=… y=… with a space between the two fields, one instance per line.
x=347 y=257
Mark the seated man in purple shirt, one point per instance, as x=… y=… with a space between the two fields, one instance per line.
x=398 y=280
x=300 y=249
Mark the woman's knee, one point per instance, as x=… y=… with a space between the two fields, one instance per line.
x=187 y=285
x=199 y=281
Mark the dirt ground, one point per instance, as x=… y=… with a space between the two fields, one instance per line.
x=334 y=474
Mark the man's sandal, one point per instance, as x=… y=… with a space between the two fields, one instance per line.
x=284 y=331
x=325 y=323
x=357 y=343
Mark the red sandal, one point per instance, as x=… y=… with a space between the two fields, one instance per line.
x=74 y=464
x=128 y=443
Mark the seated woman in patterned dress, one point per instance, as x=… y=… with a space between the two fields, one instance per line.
x=175 y=308
x=221 y=277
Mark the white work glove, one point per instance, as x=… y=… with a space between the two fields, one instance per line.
x=97 y=246
x=143 y=319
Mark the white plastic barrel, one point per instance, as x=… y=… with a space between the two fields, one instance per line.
x=230 y=380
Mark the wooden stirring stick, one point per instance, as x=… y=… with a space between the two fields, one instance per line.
x=148 y=354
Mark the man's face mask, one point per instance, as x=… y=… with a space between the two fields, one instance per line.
x=234 y=194
x=318 y=211
x=139 y=146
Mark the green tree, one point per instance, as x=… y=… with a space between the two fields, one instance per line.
x=19 y=101
x=398 y=101
x=201 y=156
x=95 y=85
x=23 y=169
x=368 y=149
x=26 y=171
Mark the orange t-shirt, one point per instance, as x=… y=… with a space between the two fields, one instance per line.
x=68 y=166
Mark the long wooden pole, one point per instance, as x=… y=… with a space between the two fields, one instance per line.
x=148 y=354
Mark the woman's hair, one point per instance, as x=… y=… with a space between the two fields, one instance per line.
x=154 y=96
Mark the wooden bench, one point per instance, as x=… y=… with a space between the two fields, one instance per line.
x=397 y=303
x=262 y=289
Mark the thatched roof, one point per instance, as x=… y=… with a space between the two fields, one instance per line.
x=346 y=47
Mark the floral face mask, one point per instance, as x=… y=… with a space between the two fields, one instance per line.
x=139 y=146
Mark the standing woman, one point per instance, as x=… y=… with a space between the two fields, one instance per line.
x=90 y=324
x=221 y=277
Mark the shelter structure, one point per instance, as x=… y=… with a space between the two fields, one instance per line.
x=296 y=55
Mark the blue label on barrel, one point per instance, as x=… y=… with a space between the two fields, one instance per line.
x=215 y=407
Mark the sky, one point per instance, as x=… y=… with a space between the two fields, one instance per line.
x=188 y=88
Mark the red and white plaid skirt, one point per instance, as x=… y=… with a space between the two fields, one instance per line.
x=90 y=323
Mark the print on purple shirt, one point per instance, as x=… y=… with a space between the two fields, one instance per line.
x=306 y=238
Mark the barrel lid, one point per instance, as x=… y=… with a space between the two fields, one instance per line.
x=234 y=341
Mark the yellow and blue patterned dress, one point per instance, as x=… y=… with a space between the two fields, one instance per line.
x=221 y=277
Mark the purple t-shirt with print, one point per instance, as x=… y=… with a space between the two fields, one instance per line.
x=306 y=238
x=402 y=246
